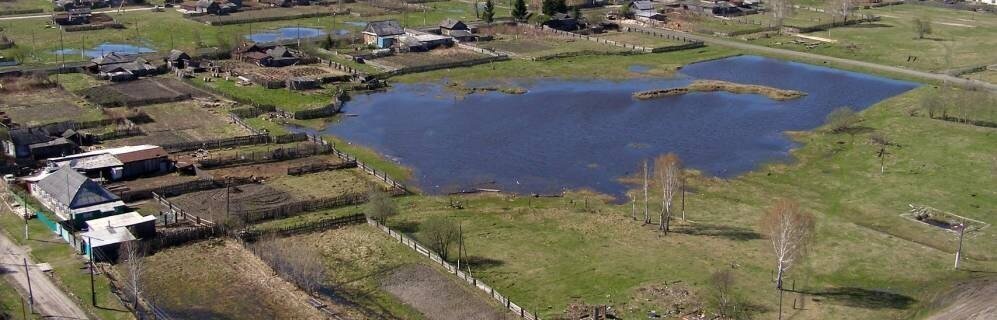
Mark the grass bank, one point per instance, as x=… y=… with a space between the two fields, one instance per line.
x=552 y=253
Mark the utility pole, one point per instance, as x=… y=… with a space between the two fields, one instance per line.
x=93 y=289
x=958 y=252
x=31 y=294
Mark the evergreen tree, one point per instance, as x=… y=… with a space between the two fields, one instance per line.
x=489 y=14
x=519 y=10
x=550 y=7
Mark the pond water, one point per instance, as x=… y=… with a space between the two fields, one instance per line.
x=284 y=34
x=574 y=134
x=105 y=48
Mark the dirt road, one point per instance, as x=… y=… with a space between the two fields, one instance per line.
x=50 y=301
x=37 y=16
x=810 y=56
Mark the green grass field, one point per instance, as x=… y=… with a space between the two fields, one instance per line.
x=959 y=39
x=551 y=253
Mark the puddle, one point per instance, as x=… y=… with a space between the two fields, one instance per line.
x=284 y=34
x=106 y=48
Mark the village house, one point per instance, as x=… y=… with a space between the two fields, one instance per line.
x=644 y=10
x=121 y=67
x=211 y=6
x=105 y=235
x=72 y=16
x=266 y=56
x=73 y=197
x=456 y=29
x=382 y=34
x=117 y=163
x=39 y=143
x=721 y=8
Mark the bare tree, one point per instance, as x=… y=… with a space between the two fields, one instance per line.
x=881 y=141
x=790 y=230
x=130 y=254
x=380 y=205
x=668 y=171
x=297 y=263
x=780 y=9
x=723 y=286
x=840 y=8
x=440 y=233
x=922 y=26
x=841 y=119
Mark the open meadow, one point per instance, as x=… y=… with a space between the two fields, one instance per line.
x=959 y=39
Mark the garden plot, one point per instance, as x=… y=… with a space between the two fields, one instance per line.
x=324 y=184
x=182 y=122
x=46 y=105
x=217 y=204
x=141 y=92
x=371 y=270
x=218 y=279
x=430 y=58
x=533 y=43
x=263 y=74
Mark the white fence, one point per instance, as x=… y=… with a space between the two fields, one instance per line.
x=409 y=242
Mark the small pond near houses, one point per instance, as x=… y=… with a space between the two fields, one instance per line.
x=575 y=134
x=105 y=48
x=284 y=34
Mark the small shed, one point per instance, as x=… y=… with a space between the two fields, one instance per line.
x=563 y=22
x=105 y=235
x=450 y=25
x=178 y=59
x=302 y=83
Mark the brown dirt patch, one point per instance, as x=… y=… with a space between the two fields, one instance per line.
x=436 y=296
x=182 y=122
x=267 y=171
x=210 y=204
x=41 y=106
x=437 y=56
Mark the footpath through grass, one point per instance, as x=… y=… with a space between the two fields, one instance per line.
x=68 y=267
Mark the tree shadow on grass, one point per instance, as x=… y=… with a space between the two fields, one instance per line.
x=720 y=231
x=864 y=298
x=482 y=263
x=407 y=227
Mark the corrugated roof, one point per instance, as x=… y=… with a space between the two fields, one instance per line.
x=141 y=154
x=384 y=28
x=74 y=189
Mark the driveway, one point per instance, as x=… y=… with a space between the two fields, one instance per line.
x=50 y=301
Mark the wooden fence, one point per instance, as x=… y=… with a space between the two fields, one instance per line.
x=319 y=167
x=179 y=213
x=233 y=142
x=177 y=189
x=304 y=227
x=687 y=43
x=474 y=282
x=380 y=175
x=298 y=207
x=256 y=157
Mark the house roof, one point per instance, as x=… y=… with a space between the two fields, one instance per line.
x=113 y=229
x=384 y=28
x=91 y=162
x=643 y=5
x=121 y=154
x=453 y=24
x=74 y=189
x=177 y=55
x=53 y=142
x=114 y=57
x=279 y=52
x=29 y=136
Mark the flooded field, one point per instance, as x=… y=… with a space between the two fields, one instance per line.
x=284 y=34
x=586 y=134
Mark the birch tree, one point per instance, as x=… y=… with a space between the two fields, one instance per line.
x=780 y=9
x=840 y=8
x=881 y=141
x=440 y=233
x=131 y=252
x=647 y=215
x=789 y=230
x=668 y=171
x=723 y=287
